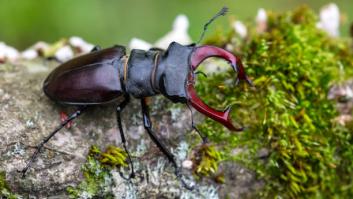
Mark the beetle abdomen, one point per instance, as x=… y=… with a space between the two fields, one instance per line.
x=89 y=79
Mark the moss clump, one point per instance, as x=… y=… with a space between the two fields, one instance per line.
x=206 y=160
x=96 y=171
x=114 y=157
x=293 y=65
x=4 y=188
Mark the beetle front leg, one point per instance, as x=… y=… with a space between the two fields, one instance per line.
x=203 y=137
x=148 y=126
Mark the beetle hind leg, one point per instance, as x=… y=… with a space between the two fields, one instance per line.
x=46 y=139
x=148 y=126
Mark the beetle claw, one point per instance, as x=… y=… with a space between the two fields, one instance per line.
x=185 y=185
x=203 y=52
x=23 y=173
x=126 y=178
x=222 y=117
x=199 y=55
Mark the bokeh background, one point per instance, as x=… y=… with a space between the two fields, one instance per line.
x=24 y=22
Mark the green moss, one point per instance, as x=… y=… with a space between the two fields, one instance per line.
x=292 y=65
x=5 y=191
x=50 y=52
x=206 y=160
x=114 y=157
x=97 y=180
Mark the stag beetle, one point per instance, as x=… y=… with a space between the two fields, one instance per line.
x=109 y=75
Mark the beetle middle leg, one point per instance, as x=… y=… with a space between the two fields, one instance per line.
x=123 y=140
x=148 y=126
x=46 y=139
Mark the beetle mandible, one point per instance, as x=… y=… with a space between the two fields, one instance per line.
x=109 y=75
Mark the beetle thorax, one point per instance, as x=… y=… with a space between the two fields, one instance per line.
x=153 y=72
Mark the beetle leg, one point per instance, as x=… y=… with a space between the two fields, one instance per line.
x=203 y=137
x=123 y=140
x=46 y=139
x=148 y=126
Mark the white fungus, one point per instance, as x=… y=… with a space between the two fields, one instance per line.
x=82 y=45
x=179 y=33
x=8 y=53
x=187 y=164
x=240 y=29
x=330 y=19
x=136 y=43
x=261 y=20
x=64 y=54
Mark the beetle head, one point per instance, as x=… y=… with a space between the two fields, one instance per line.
x=196 y=58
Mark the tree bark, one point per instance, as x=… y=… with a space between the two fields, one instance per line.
x=27 y=116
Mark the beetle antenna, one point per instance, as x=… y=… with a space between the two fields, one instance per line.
x=222 y=12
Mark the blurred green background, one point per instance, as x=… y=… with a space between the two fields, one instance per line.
x=107 y=22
